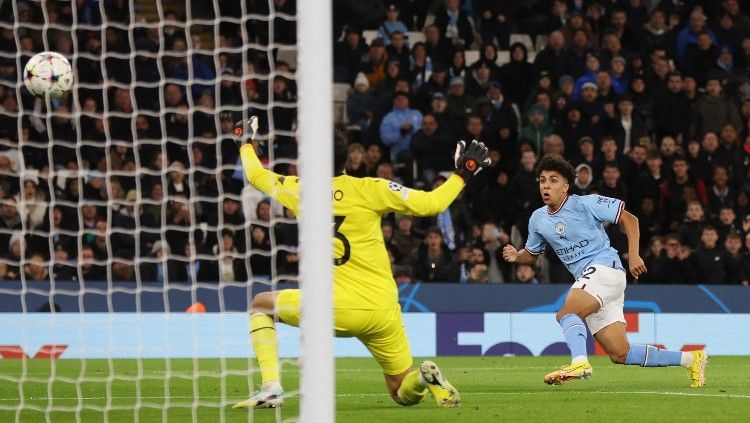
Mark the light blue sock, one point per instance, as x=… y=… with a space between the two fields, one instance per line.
x=575 y=334
x=650 y=356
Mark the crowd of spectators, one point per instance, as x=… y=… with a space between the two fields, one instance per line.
x=133 y=174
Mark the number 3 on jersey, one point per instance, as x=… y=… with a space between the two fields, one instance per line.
x=337 y=222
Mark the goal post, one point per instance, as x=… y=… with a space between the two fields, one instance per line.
x=144 y=252
x=315 y=134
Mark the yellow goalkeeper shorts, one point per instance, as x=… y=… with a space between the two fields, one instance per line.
x=381 y=331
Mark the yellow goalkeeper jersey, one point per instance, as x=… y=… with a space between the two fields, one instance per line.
x=362 y=271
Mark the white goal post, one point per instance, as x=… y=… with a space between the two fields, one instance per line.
x=315 y=134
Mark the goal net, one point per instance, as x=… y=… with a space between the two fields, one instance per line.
x=130 y=243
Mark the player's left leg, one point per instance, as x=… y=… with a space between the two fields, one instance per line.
x=578 y=305
x=386 y=339
x=614 y=342
x=264 y=307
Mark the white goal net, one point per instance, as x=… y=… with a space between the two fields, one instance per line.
x=124 y=213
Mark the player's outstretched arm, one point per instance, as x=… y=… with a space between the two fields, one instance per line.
x=511 y=255
x=284 y=190
x=629 y=224
x=392 y=197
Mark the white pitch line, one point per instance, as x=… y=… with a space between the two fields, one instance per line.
x=233 y=372
x=369 y=394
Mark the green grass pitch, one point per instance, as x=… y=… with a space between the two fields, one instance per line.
x=492 y=389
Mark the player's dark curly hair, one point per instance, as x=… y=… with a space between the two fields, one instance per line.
x=556 y=163
x=340 y=152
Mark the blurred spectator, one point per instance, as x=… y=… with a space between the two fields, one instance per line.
x=228 y=265
x=701 y=57
x=360 y=103
x=31 y=202
x=10 y=223
x=432 y=261
x=549 y=58
x=420 y=65
x=399 y=126
x=404 y=238
x=672 y=111
x=517 y=75
x=727 y=223
x=372 y=158
x=714 y=109
x=655 y=33
x=734 y=269
x=676 y=264
x=469 y=257
x=611 y=185
x=496 y=21
x=629 y=127
x=503 y=112
x=525 y=273
x=537 y=128
x=573 y=60
x=584 y=178
x=89 y=270
x=458 y=68
x=478 y=80
x=712 y=258
x=36 y=268
x=460 y=103
x=161 y=268
x=354 y=164
x=672 y=194
x=692 y=226
x=455 y=24
x=720 y=193
x=493 y=239
x=431 y=149
x=373 y=63
x=347 y=55
x=476 y=273
x=398 y=49
x=438 y=47
x=287 y=258
x=391 y=24
x=690 y=34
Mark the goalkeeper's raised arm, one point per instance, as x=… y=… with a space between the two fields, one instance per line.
x=385 y=196
x=282 y=189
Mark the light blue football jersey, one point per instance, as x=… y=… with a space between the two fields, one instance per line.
x=576 y=233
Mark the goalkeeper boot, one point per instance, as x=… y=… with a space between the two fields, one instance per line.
x=569 y=372
x=263 y=398
x=444 y=393
x=697 y=370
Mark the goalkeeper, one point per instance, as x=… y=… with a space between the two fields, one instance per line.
x=365 y=294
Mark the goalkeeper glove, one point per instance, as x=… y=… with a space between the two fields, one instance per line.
x=470 y=159
x=239 y=130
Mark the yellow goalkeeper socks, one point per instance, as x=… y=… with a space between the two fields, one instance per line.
x=265 y=345
x=412 y=390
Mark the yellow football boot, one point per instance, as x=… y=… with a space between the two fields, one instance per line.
x=568 y=373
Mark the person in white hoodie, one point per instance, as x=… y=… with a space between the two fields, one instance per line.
x=32 y=204
x=584 y=179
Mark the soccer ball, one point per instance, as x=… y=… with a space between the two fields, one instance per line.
x=48 y=73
